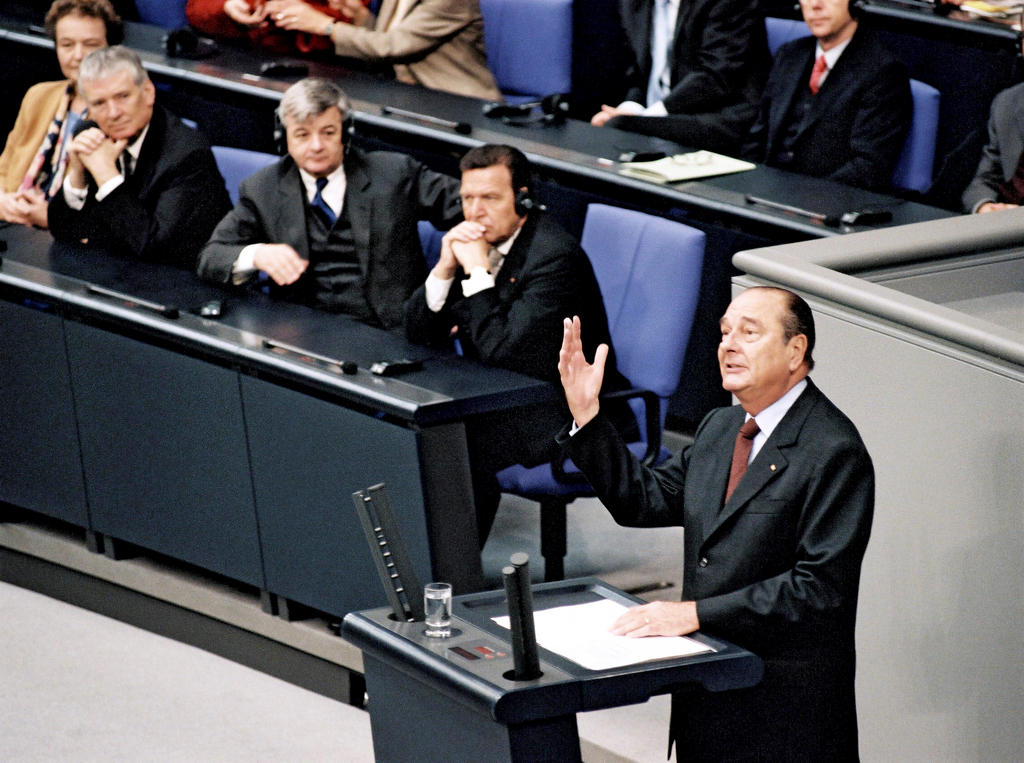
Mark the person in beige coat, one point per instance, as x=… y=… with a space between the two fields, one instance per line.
x=437 y=44
x=33 y=160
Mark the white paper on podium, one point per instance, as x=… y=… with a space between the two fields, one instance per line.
x=580 y=632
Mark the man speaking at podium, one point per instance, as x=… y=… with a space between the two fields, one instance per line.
x=776 y=495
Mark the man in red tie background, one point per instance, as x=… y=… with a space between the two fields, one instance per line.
x=837 y=103
x=775 y=566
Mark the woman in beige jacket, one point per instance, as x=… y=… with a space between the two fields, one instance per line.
x=434 y=43
x=33 y=161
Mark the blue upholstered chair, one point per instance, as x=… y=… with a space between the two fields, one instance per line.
x=649 y=271
x=916 y=164
x=430 y=240
x=781 y=31
x=170 y=14
x=236 y=164
x=915 y=167
x=529 y=46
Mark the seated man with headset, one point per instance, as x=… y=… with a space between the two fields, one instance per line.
x=506 y=278
x=837 y=103
x=332 y=226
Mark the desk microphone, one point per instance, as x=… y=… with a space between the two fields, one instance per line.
x=347 y=367
x=830 y=220
x=520 y=615
x=462 y=128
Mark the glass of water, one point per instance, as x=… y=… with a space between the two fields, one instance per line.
x=437 y=601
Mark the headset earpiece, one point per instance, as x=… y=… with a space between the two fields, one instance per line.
x=524 y=202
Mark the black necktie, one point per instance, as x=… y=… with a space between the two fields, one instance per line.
x=741 y=454
x=125 y=160
x=321 y=206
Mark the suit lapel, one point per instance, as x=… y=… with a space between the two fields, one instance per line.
x=387 y=12
x=770 y=462
x=291 y=212
x=507 y=279
x=358 y=206
x=141 y=178
x=791 y=81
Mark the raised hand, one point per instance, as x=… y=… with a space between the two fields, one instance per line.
x=580 y=380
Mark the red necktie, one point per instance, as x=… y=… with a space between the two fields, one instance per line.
x=1012 y=191
x=740 y=455
x=820 y=67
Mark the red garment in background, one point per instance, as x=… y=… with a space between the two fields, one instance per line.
x=208 y=17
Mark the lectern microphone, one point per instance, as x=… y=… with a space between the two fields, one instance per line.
x=520 y=615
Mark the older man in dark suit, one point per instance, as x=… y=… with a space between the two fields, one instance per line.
x=776 y=495
x=140 y=182
x=837 y=104
x=505 y=278
x=696 y=71
x=330 y=225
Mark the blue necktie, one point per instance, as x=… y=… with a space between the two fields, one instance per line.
x=321 y=206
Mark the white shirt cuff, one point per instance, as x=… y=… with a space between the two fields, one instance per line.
x=75 y=197
x=631 y=107
x=243 y=268
x=656 y=110
x=479 y=279
x=436 y=291
x=107 y=188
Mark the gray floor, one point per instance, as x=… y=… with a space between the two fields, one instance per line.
x=78 y=686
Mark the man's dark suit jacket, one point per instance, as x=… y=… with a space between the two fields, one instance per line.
x=386 y=193
x=856 y=124
x=545 y=277
x=775 y=570
x=164 y=211
x=718 y=62
x=1003 y=150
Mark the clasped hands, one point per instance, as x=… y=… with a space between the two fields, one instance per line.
x=93 y=152
x=294 y=15
x=24 y=207
x=582 y=384
x=463 y=246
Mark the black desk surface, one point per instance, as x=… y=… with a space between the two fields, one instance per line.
x=447 y=388
x=573 y=150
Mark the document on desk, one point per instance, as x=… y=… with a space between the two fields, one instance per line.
x=580 y=632
x=691 y=166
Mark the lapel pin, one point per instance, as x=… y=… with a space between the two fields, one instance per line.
x=772 y=467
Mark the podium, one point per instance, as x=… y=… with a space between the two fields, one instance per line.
x=453 y=699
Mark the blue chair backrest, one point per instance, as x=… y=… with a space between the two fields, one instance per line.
x=914 y=169
x=236 y=164
x=916 y=164
x=529 y=46
x=430 y=240
x=169 y=14
x=781 y=31
x=649 y=271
